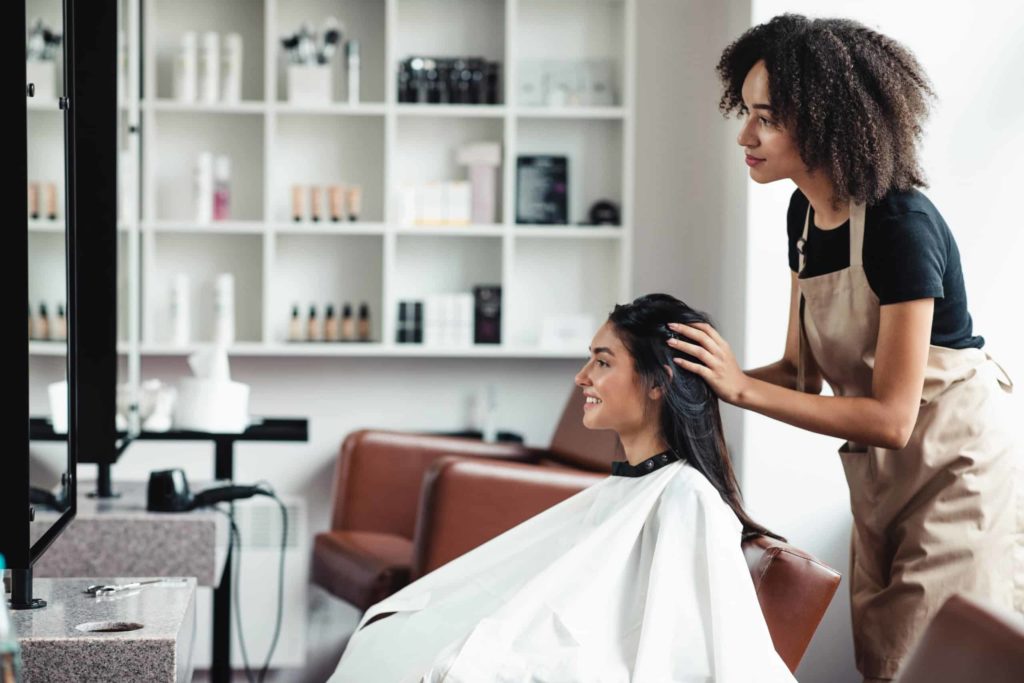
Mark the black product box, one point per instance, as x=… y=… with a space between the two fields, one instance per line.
x=410 y=322
x=487 y=314
x=542 y=190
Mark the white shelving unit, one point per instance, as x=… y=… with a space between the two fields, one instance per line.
x=378 y=144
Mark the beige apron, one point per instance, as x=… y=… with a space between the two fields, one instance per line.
x=943 y=515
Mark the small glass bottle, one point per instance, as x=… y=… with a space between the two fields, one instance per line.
x=330 y=325
x=347 y=324
x=62 y=324
x=295 y=325
x=43 y=323
x=222 y=189
x=311 y=326
x=364 y=322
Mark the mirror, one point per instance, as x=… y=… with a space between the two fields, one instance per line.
x=46 y=154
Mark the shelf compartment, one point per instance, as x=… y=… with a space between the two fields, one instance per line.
x=202 y=257
x=549 y=30
x=594 y=151
x=449 y=28
x=166 y=21
x=363 y=20
x=427 y=147
x=47 y=282
x=324 y=151
x=554 y=277
x=321 y=270
x=178 y=139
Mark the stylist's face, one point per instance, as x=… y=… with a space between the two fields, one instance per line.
x=771 y=152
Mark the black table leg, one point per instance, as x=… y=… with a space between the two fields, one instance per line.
x=220 y=671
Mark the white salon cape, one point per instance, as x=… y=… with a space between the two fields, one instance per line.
x=639 y=578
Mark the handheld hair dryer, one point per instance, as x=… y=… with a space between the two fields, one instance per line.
x=168 y=492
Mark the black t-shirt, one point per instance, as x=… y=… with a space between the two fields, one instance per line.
x=909 y=253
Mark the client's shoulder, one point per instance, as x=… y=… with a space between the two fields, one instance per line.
x=690 y=483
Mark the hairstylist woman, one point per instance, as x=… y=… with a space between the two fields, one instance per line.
x=879 y=311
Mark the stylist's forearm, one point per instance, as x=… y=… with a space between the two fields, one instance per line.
x=780 y=373
x=863 y=420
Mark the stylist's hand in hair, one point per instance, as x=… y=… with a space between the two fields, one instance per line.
x=717 y=364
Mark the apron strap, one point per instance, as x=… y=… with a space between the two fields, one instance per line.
x=801 y=356
x=801 y=361
x=802 y=242
x=857 y=213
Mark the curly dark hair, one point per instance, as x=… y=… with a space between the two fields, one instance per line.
x=853 y=99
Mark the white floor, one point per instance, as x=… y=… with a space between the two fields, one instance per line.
x=331 y=622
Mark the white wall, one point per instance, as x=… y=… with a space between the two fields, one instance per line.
x=690 y=192
x=793 y=480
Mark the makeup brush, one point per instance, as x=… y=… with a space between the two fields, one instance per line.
x=332 y=38
x=291 y=44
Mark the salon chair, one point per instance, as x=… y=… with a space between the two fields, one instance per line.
x=968 y=641
x=368 y=552
x=465 y=503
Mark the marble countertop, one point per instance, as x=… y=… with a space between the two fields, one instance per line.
x=71 y=638
x=118 y=536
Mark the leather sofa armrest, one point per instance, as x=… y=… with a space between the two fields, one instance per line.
x=794 y=590
x=465 y=503
x=379 y=473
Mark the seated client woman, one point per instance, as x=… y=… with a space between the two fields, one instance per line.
x=639 y=577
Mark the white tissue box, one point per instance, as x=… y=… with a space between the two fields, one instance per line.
x=212 y=405
x=309 y=83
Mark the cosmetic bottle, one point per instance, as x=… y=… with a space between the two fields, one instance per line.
x=224 y=334
x=417 y=322
x=181 y=328
x=185 y=69
x=364 y=322
x=311 y=326
x=61 y=333
x=204 y=187
x=43 y=323
x=295 y=326
x=315 y=202
x=222 y=188
x=355 y=202
x=336 y=197
x=33 y=200
x=352 y=53
x=210 y=82
x=330 y=325
x=348 y=326
x=297 y=203
x=232 y=86
x=51 y=201
x=402 y=328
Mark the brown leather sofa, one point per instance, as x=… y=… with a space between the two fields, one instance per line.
x=968 y=641
x=467 y=502
x=368 y=552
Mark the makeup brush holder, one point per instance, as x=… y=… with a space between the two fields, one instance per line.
x=309 y=84
x=43 y=74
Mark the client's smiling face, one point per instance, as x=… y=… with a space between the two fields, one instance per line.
x=615 y=397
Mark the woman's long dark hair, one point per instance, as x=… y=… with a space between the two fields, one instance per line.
x=690 y=421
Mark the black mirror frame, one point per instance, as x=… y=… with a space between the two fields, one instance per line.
x=90 y=129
